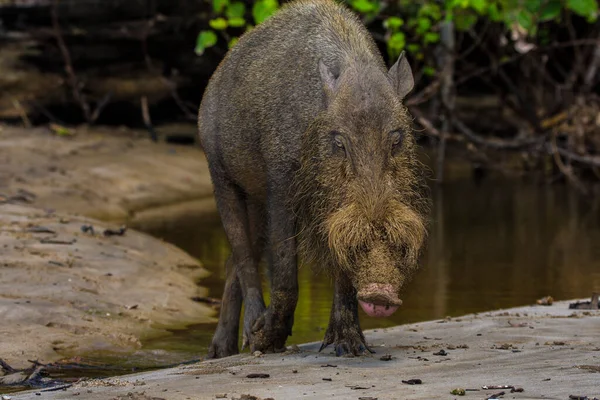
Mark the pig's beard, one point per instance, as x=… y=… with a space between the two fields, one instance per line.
x=352 y=231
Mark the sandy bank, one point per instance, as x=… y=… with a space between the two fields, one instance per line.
x=550 y=352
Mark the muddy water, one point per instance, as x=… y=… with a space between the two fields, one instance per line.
x=494 y=244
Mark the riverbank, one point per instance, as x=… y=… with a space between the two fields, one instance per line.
x=103 y=173
x=67 y=288
x=72 y=285
x=548 y=352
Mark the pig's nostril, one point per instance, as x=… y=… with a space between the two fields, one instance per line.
x=374 y=310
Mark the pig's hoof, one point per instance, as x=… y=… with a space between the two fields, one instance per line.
x=254 y=310
x=220 y=348
x=270 y=333
x=346 y=341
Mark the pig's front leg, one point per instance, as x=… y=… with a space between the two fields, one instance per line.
x=344 y=328
x=271 y=330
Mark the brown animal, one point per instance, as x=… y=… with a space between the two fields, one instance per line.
x=310 y=148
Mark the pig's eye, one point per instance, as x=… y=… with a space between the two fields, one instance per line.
x=396 y=139
x=338 y=142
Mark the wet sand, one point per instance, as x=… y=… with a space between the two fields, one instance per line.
x=65 y=292
x=548 y=352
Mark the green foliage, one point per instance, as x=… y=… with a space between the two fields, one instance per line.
x=550 y=10
x=236 y=22
x=365 y=6
x=218 y=24
x=205 y=40
x=396 y=44
x=232 y=42
x=409 y=25
x=585 y=8
x=393 y=23
x=233 y=15
x=219 y=5
x=263 y=9
x=235 y=10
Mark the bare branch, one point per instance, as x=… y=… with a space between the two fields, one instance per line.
x=70 y=71
x=593 y=161
x=566 y=170
x=495 y=143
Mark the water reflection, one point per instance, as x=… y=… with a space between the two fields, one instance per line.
x=492 y=245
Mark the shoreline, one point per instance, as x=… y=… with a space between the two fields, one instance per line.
x=549 y=352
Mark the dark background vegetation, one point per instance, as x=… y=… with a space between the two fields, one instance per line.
x=512 y=85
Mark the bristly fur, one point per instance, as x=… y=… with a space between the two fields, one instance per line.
x=340 y=218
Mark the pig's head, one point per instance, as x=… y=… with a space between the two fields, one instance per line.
x=360 y=196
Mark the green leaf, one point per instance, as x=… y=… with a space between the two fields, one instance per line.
x=218 y=24
x=423 y=25
x=478 y=5
x=205 y=40
x=430 y=10
x=431 y=37
x=232 y=42
x=396 y=44
x=364 y=6
x=263 y=9
x=236 y=22
x=525 y=19
x=463 y=21
x=585 y=8
x=550 y=10
x=413 y=47
x=533 y=6
x=235 y=10
x=393 y=23
x=494 y=12
x=219 y=5
x=429 y=71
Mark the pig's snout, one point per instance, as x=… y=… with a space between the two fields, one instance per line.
x=379 y=299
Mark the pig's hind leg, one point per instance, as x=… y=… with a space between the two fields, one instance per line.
x=275 y=325
x=243 y=278
x=344 y=328
x=225 y=339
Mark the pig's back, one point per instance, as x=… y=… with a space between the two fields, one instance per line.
x=267 y=90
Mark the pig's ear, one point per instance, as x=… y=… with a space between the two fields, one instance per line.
x=328 y=78
x=401 y=76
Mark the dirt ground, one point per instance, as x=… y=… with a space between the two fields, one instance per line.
x=64 y=291
x=532 y=352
